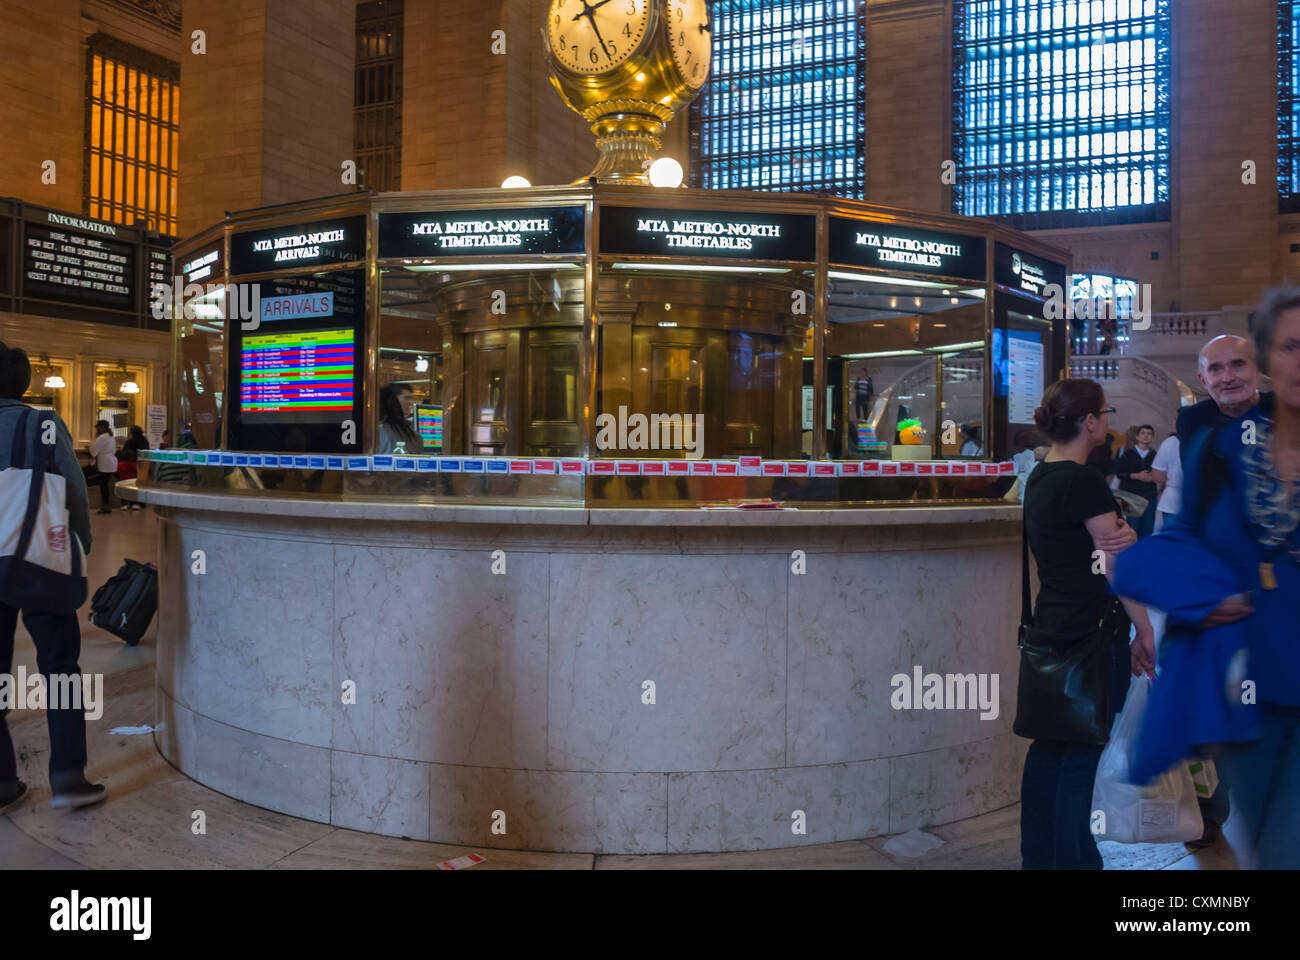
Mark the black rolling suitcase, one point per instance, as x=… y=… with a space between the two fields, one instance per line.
x=126 y=603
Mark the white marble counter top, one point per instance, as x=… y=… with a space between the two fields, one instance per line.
x=239 y=503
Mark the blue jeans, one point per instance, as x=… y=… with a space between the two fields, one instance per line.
x=1266 y=789
x=1056 y=791
x=1145 y=525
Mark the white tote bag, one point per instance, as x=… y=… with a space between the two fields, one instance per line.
x=1164 y=811
x=42 y=562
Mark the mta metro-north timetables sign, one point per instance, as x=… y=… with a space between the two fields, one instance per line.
x=300 y=372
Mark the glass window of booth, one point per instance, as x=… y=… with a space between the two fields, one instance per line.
x=702 y=362
x=905 y=368
x=491 y=353
x=199 y=332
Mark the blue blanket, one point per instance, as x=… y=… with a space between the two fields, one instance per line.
x=1197 y=696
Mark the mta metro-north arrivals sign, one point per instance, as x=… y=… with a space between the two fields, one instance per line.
x=642 y=231
x=480 y=233
x=318 y=243
x=885 y=246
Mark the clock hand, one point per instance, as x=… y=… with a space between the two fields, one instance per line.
x=589 y=12
x=587 y=9
x=592 y=18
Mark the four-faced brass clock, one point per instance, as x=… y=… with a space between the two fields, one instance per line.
x=627 y=67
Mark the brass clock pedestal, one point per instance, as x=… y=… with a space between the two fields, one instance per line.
x=627 y=68
x=628 y=143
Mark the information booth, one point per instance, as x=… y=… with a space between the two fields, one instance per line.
x=667 y=333
x=688 y=481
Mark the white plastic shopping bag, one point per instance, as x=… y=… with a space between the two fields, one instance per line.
x=1164 y=811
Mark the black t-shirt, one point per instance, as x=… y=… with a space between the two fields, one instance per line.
x=1059 y=498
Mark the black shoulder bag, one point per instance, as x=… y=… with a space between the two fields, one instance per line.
x=1064 y=690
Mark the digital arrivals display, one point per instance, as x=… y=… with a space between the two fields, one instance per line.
x=296 y=365
x=428 y=424
x=308 y=372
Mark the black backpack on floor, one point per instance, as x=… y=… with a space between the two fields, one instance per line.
x=126 y=603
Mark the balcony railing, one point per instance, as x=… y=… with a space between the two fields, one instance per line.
x=1088 y=337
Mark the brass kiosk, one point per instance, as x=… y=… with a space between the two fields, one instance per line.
x=790 y=328
x=483 y=644
x=493 y=633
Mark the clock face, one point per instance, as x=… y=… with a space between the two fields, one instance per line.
x=595 y=36
x=691 y=39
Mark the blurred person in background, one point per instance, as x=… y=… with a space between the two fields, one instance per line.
x=103 y=464
x=1167 y=469
x=1133 y=467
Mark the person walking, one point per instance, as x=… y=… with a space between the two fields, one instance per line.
x=56 y=635
x=1242 y=502
x=1133 y=467
x=1069 y=514
x=103 y=468
x=1228 y=368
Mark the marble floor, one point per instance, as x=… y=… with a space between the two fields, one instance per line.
x=151 y=818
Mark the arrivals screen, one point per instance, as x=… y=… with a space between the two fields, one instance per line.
x=309 y=372
x=296 y=364
x=428 y=424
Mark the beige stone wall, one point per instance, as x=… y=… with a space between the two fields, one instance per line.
x=266 y=112
x=471 y=117
x=43 y=109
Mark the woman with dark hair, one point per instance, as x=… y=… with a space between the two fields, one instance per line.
x=1070 y=514
x=394 y=427
x=103 y=466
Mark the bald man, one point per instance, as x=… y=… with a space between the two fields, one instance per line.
x=1227 y=368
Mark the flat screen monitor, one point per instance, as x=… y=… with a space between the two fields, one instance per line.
x=296 y=366
x=428 y=424
x=301 y=376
